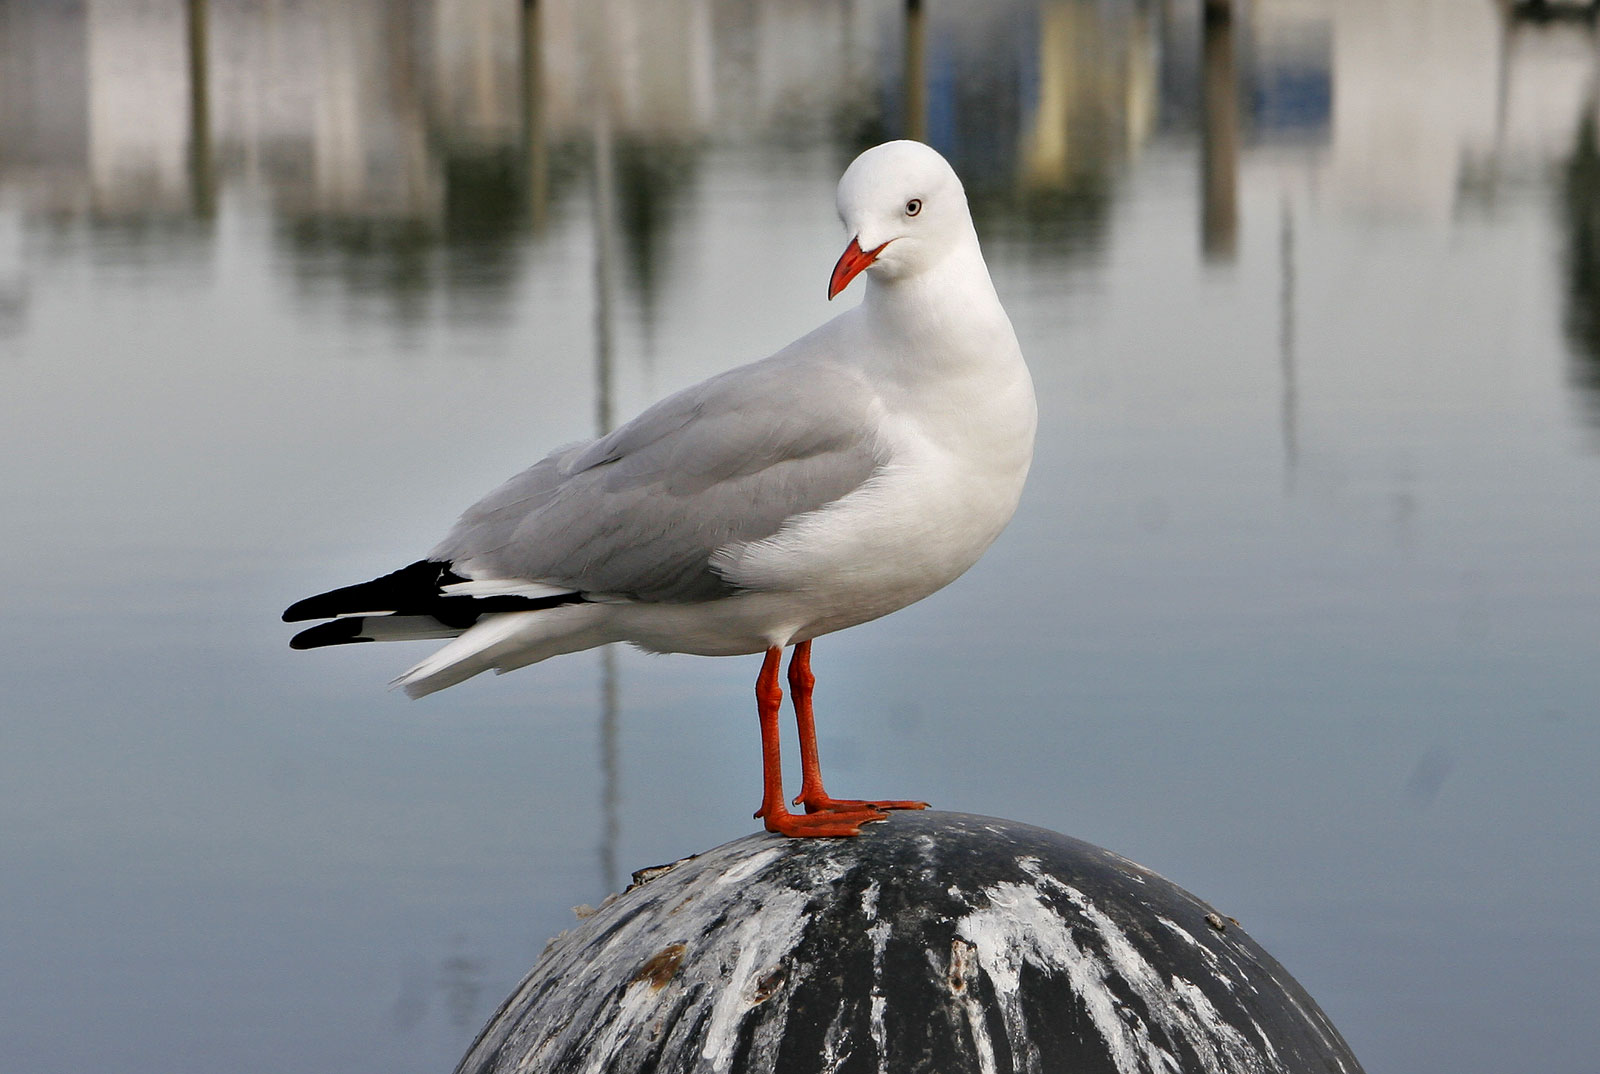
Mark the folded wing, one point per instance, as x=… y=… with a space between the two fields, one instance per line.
x=637 y=515
x=633 y=516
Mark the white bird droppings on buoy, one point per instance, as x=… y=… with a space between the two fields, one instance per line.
x=934 y=942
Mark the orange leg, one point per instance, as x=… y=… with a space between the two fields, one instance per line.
x=812 y=794
x=769 y=701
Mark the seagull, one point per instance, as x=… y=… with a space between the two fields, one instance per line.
x=856 y=471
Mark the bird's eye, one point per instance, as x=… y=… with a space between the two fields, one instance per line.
x=913 y=207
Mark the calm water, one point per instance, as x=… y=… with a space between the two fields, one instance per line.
x=1301 y=608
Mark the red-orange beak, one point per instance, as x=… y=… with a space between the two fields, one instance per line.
x=851 y=262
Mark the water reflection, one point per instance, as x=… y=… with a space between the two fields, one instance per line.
x=915 y=79
x=557 y=175
x=651 y=177
x=428 y=158
x=1581 y=202
x=202 y=176
x=457 y=980
x=382 y=132
x=1289 y=419
x=409 y=147
x=1219 y=220
x=1580 y=193
x=605 y=201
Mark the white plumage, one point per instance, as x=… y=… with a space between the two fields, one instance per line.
x=854 y=472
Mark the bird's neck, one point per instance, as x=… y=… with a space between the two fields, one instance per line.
x=950 y=302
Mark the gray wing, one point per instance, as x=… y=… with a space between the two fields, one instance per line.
x=638 y=513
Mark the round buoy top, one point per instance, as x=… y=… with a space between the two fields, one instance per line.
x=934 y=942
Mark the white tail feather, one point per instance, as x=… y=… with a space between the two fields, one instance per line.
x=508 y=640
x=405 y=628
x=500 y=587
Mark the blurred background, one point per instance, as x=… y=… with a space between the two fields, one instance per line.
x=1301 y=608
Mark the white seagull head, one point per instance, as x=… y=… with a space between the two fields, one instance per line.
x=904 y=208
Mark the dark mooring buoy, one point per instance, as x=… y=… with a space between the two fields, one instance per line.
x=935 y=942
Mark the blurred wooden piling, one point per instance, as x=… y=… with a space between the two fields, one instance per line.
x=202 y=171
x=535 y=158
x=916 y=72
x=1219 y=138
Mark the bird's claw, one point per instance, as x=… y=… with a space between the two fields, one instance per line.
x=822 y=803
x=836 y=823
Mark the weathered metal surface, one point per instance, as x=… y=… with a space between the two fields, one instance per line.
x=935 y=942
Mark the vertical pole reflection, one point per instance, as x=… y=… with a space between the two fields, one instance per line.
x=202 y=175
x=610 y=776
x=1219 y=138
x=1291 y=447
x=1502 y=85
x=535 y=161
x=916 y=73
x=604 y=198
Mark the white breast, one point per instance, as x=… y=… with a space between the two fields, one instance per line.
x=955 y=471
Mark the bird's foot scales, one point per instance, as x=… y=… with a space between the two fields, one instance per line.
x=839 y=822
x=822 y=803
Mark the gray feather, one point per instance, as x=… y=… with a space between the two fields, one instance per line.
x=638 y=513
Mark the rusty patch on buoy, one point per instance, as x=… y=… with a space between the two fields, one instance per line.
x=643 y=876
x=661 y=966
x=963 y=964
x=767 y=986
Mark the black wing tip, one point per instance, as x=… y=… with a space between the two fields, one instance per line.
x=297 y=613
x=421 y=579
x=338 y=632
x=416 y=589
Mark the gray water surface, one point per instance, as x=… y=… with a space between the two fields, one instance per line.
x=1301 y=608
